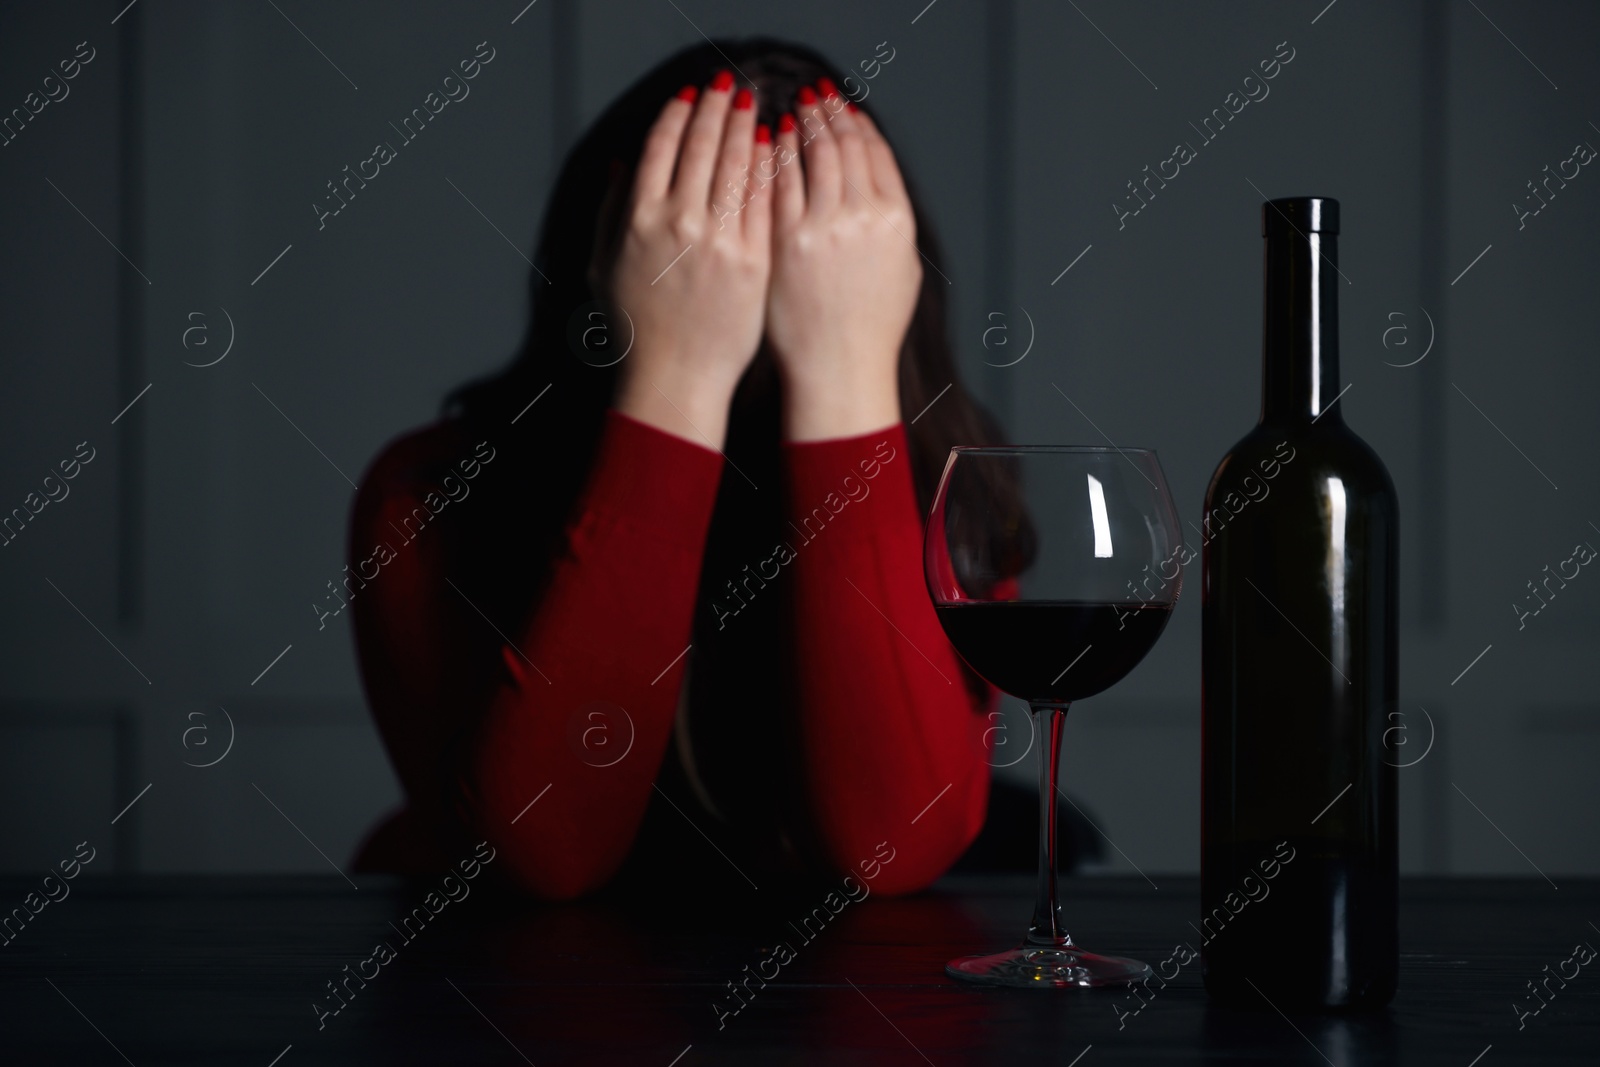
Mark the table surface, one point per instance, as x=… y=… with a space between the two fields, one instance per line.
x=173 y=970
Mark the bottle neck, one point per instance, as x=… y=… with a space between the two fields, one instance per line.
x=1300 y=346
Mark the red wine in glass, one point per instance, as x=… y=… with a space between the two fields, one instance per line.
x=1017 y=645
x=1091 y=537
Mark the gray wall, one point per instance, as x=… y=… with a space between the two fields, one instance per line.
x=184 y=559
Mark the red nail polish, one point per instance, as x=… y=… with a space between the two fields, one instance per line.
x=850 y=105
x=806 y=96
x=786 y=124
x=827 y=87
x=688 y=94
x=743 y=99
x=722 y=82
x=763 y=134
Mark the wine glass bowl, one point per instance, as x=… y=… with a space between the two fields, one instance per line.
x=1053 y=570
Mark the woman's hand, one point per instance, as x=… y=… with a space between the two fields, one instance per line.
x=694 y=264
x=845 y=272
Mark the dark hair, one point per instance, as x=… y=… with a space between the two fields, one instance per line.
x=577 y=244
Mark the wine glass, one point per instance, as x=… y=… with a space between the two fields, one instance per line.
x=1053 y=570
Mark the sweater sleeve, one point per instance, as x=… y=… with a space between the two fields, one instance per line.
x=892 y=733
x=559 y=772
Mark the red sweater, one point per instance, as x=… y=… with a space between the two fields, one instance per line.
x=887 y=738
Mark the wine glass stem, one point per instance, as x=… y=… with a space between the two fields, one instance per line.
x=1047 y=927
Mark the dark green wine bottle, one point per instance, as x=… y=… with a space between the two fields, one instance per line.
x=1299 y=865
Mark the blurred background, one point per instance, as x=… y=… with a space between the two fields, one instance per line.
x=173 y=308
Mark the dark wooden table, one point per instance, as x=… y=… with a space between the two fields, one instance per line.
x=229 y=970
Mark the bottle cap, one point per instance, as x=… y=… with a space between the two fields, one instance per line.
x=1305 y=214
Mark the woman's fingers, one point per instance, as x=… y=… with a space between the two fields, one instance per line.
x=885 y=170
x=824 y=175
x=855 y=170
x=733 y=179
x=660 y=155
x=702 y=142
x=789 y=189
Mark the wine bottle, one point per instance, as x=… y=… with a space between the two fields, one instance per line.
x=1300 y=671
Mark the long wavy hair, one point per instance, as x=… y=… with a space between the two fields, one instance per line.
x=578 y=243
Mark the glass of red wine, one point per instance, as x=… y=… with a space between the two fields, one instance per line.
x=1053 y=570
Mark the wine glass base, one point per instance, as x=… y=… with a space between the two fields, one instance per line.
x=1043 y=966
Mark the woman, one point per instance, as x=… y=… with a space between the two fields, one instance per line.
x=683 y=589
